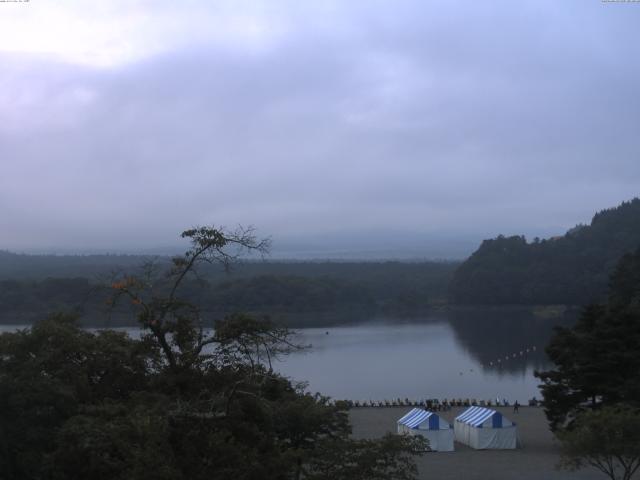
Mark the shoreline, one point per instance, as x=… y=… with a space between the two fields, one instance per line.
x=315 y=319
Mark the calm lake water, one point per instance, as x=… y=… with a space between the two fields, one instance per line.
x=479 y=353
x=473 y=354
x=411 y=360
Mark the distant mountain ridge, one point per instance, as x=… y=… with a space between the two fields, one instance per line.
x=571 y=269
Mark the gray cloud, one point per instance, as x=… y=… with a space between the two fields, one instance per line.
x=366 y=120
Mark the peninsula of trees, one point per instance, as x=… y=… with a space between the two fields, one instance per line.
x=572 y=269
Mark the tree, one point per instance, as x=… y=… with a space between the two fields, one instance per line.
x=607 y=439
x=182 y=402
x=592 y=397
x=597 y=360
x=48 y=374
x=175 y=324
x=570 y=269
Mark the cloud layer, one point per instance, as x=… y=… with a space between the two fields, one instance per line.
x=350 y=121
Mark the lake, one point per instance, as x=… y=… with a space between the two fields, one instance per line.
x=470 y=354
x=477 y=353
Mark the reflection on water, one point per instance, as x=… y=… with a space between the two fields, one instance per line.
x=446 y=356
x=463 y=354
x=505 y=341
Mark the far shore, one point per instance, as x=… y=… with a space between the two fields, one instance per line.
x=313 y=319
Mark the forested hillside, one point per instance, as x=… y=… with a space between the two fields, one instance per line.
x=572 y=269
x=289 y=288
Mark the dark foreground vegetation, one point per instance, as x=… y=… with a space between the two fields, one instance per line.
x=592 y=397
x=177 y=403
x=572 y=269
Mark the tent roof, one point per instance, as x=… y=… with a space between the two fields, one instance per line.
x=415 y=417
x=475 y=416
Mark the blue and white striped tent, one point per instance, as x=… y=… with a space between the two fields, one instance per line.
x=484 y=428
x=429 y=425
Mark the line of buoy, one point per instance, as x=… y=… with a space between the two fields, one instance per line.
x=431 y=404
x=521 y=353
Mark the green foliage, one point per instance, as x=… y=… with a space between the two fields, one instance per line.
x=592 y=397
x=597 y=360
x=76 y=404
x=178 y=403
x=607 y=439
x=47 y=374
x=114 y=441
x=50 y=294
x=572 y=269
x=317 y=290
x=290 y=294
x=625 y=284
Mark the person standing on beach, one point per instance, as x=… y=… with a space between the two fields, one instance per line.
x=516 y=406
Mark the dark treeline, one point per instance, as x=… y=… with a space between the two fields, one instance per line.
x=178 y=402
x=37 y=267
x=286 y=290
x=572 y=269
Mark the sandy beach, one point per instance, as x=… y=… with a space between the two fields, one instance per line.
x=536 y=460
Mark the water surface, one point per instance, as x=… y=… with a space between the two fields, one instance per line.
x=475 y=353
x=431 y=359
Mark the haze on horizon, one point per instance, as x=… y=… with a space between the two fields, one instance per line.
x=396 y=129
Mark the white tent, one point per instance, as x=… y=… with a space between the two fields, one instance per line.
x=429 y=425
x=483 y=428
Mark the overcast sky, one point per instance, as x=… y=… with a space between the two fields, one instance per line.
x=395 y=125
